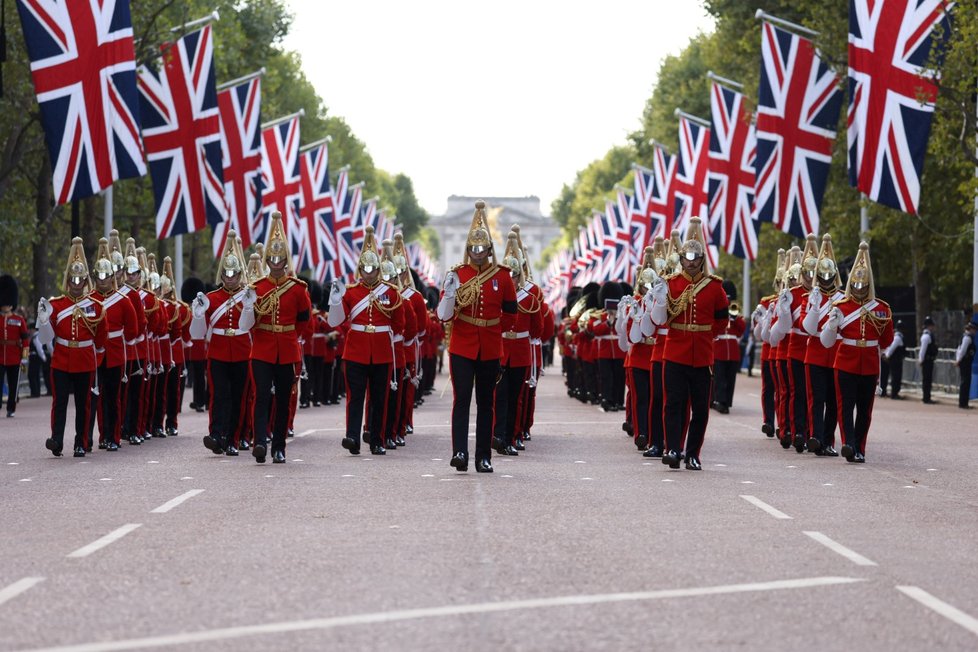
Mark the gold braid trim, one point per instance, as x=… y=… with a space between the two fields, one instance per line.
x=90 y=323
x=386 y=310
x=468 y=293
x=535 y=306
x=680 y=304
x=269 y=303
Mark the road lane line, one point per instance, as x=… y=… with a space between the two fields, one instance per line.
x=170 y=504
x=115 y=535
x=840 y=549
x=757 y=502
x=18 y=587
x=446 y=611
x=953 y=614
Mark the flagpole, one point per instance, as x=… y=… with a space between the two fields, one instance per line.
x=679 y=113
x=240 y=80
x=763 y=15
x=863 y=218
x=300 y=113
x=724 y=81
x=974 y=266
x=306 y=148
x=178 y=268
x=107 y=215
x=214 y=15
x=745 y=302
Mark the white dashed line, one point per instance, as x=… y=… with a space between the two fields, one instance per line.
x=587 y=478
x=719 y=465
x=668 y=480
x=152 y=462
x=170 y=504
x=827 y=484
x=505 y=476
x=579 y=462
x=269 y=476
x=18 y=587
x=927 y=469
x=427 y=475
x=26 y=479
x=746 y=482
x=760 y=504
x=792 y=466
x=186 y=477
x=953 y=614
x=105 y=479
x=437 y=459
x=840 y=549
x=115 y=535
x=347 y=475
x=16 y=463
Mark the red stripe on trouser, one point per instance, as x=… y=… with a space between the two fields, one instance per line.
x=383 y=414
x=632 y=401
x=782 y=397
x=522 y=406
x=839 y=410
x=869 y=419
x=808 y=387
x=346 y=408
x=294 y=397
x=54 y=395
x=210 y=400
x=86 y=424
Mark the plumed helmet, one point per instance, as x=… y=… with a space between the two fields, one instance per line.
x=167 y=283
x=826 y=269
x=861 y=274
x=115 y=251
x=479 y=231
x=778 y=281
x=154 y=275
x=513 y=259
x=8 y=290
x=131 y=260
x=400 y=254
x=809 y=257
x=672 y=252
x=103 y=268
x=232 y=261
x=388 y=268
x=77 y=267
x=527 y=268
x=369 y=259
x=792 y=272
x=191 y=286
x=276 y=244
x=694 y=245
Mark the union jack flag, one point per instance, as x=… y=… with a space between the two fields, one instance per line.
x=624 y=254
x=182 y=132
x=689 y=180
x=731 y=174
x=281 y=180
x=84 y=70
x=344 y=225
x=891 y=96
x=316 y=213
x=240 y=111
x=662 y=196
x=640 y=219
x=797 y=110
x=357 y=215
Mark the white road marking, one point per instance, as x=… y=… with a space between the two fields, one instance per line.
x=25 y=479
x=505 y=476
x=186 y=477
x=347 y=476
x=115 y=535
x=792 y=466
x=719 y=465
x=757 y=502
x=579 y=462
x=427 y=475
x=105 y=479
x=16 y=463
x=170 y=504
x=927 y=469
x=953 y=614
x=319 y=624
x=746 y=482
x=827 y=484
x=840 y=549
x=18 y=587
x=909 y=486
x=152 y=462
x=587 y=478
x=437 y=459
x=297 y=460
x=668 y=480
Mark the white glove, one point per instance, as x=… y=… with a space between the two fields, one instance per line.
x=44 y=311
x=336 y=291
x=659 y=291
x=249 y=299
x=199 y=306
x=451 y=284
x=835 y=318
x=814 y=300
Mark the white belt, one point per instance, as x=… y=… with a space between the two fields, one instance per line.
x=316 y=335
x=860 y=343
x=798 y=331
x=398 y=338
x=536 y=341
x=727 y=337
x=661 y=331
x=74 y=344
x=510 y=335
x=422 y=333
x=138 y=339
x=163 y=338
x=230 y=332
x=606 y=337
x=370 y=328
x=115 y=334
x=410 y=342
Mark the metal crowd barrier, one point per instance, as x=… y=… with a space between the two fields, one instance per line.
x=947 y=376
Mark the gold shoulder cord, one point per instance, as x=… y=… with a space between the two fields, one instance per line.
x=535 y=306
x=386 y=311
x=269 y=303
x=468 y=293
x=90 y=323
x=879 y=323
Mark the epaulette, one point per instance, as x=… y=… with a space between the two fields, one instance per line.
x=715 y=277
x=299 y=281
x=457 y=267
x=669 y=277
x=840 y=301
x=770 y=297
x=351 y=285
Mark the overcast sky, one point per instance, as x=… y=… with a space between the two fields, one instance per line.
x=498 y=98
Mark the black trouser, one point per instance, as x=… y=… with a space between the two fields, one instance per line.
x=726 y=378
x=768 y=387
x=657 y=426
x=640 y=402
x=686 y=388
x=884 y=374
x=507 y=406
x=79 y=384
x=466 y=374
x=198 y=371
x=606 y=381
x=37 y=370
x=896 y=375
x=12 y=374
x=964 y=391
x=226 y=381
x=174 y=395
x=395 y=397
x=855 y=394
x=824 y=413
x=361 y=378
x=282 y=377
x=307 y=389
x=799 y=394
x=107 y=405
x=927 y=370
x=590 y=380
x=133 y=389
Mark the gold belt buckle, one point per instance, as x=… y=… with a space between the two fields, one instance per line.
x=509 y=335
x=229 y=332
x=370 y=328
x=861 y=344
x=72 y=344
x=480 y=322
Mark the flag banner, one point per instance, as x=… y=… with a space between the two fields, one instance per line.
x=891 y=96
x=182 y=135
x=798 y=106
x=281 y=180
x=316 y=211
x=690 y=176
x=240 y=111
x=730 y=175
x=662 y=197
x=83 y=65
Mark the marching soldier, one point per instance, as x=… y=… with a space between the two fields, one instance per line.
x=609 y=357
x=396 y=410
x=694 y=306
x=223 y=319
x=536 y=344
x=282 y=308
x=726 y=353
x=74 y=322
x=137 y=365
x=927 y=356
x=197 y=353
x=373 y=311
x=761 y=321
x=639 y=358
x=180 y=344
x=414 y=348
x=780 y=352
x=164 y=352
x=312 y=349
x=511 y=396
x=479 y=301
x=819 y=360
x=863 y=324
x=120 y=327
x=14 y=341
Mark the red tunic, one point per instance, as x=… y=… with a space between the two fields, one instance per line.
x=690 y=337
x=477 y=329
x=765 y=347
x=726 y=344
x=640 y=353
x=180 y=331
x=373 y=316
x=226 y=341
x=136 y=347
x=404 y=341
x=14 y=338
x=818 y=354
x=527 y=326
x=860 y=339
x=120 y=327
x=276 y=334
x=797 y=338
x=76 y=337
x=605 y=340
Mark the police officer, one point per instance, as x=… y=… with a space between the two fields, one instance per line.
x=479 y=300
x=964 y=357
x=894 y=356
x=926 y=358
x=14 y=341
x=863 y=324
x=74 y=323
x=694 y=306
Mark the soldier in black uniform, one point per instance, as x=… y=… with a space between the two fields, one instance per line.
x=965 y=358
x=928 y=354
x=891 y=366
